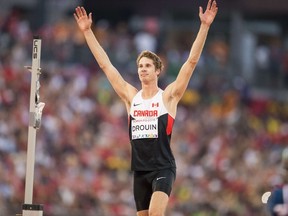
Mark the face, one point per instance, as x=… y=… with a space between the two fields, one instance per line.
x=146 y=70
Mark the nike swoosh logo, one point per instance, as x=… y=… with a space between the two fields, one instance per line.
x=160 y=178
x=136 y=104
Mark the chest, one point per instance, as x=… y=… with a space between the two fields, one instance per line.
x=151 y=108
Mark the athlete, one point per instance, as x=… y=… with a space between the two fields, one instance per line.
x=151 y=112
x=278 y=200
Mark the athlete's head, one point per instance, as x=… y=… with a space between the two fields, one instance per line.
x=155 y=58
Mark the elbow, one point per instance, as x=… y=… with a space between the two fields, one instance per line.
x=104 y=63
x=193 y=60
x=104 y=66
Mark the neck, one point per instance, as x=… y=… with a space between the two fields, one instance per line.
x=148 y=91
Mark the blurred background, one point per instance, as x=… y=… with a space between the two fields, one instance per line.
x=231 y=125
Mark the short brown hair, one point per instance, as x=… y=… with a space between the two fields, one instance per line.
x=155 y=58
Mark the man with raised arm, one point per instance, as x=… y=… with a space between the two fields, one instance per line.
x=151 y=112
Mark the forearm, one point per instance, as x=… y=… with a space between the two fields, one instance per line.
x=198 y=44
x=188 y=67
x=96 y=49
x=114 y=77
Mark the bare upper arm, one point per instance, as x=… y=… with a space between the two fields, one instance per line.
x=174 y=91
x=169 y=101
x=123 y=89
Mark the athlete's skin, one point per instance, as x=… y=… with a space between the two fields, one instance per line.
x=148 y=76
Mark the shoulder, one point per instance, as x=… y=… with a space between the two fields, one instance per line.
x=132 y=95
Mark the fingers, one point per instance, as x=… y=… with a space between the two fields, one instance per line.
x=200 y=10
x=211 y=5
x=83 y=11
x=75 y=16
x=80 y=12
x=214 y=6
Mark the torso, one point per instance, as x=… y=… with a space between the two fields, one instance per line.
x=150 y=129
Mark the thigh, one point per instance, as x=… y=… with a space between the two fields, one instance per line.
x=162 y=187
x=142 y=190
x=164 y=180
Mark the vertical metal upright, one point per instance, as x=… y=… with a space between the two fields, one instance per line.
x=35 y=113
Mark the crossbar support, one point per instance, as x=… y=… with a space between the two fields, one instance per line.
x=35 y=114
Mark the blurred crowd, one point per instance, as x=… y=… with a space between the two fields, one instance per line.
x=227 y=143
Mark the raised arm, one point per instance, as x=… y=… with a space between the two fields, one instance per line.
x=122 y=88
x=175 y=90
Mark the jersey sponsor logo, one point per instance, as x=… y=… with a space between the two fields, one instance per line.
x=144 y=136
x=145 y=113
x=136 y=104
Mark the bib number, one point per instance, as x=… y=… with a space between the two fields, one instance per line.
x=144 y=128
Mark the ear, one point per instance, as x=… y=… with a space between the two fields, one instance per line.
x=158 y=72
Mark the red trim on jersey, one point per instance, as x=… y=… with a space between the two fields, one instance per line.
x=170 y=122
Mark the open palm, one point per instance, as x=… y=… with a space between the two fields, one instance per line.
x=211 y=10
x=84 y=22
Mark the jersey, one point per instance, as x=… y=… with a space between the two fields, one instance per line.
x=150 y=130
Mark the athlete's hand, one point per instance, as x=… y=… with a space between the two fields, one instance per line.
x=84 y=22
x=208 y=16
